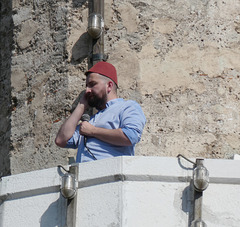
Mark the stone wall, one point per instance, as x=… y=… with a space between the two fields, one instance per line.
x=178 y=59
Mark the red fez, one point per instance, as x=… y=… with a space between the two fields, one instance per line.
x=105 y=69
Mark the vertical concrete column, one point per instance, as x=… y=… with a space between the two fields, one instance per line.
x=6 y=45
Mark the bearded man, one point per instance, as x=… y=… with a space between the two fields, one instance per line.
x=114 y=130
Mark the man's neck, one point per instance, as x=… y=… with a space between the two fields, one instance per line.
x=111 y=96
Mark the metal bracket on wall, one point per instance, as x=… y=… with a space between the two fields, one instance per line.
x=99 y=57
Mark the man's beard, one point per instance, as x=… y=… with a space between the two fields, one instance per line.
x=96 y=101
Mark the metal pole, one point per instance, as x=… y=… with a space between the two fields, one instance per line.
x=197 y=213
x=198 y=200
x=96 y=45
x=72 y=203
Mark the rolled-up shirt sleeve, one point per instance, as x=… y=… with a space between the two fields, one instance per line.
x=132 y=121
x=74 y=140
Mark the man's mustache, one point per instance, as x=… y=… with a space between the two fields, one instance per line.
x=89 y=95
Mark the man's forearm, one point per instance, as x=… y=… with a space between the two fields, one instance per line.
x=67 y=129
x=112 y=136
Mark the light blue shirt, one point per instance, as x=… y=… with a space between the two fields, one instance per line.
x=118 y=113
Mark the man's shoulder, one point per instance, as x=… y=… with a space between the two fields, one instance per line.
x=130 y=105
x=124 y=104
x=132 y=102
x=132 y=108
x=126 y=101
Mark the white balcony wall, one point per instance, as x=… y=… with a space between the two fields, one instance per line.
x=123 y=191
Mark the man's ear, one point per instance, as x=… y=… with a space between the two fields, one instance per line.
x=109 y=86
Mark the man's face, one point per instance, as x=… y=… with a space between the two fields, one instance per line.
x=96 y=94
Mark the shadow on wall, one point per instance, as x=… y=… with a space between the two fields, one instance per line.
x=6 y=41
x=187 y=195
x=80 y=49
x=78 y=3
x=55 y=215
x=187 y=205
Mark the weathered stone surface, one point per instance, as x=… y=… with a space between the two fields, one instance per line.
x=178 y=59
x=23 y=14
x=18 y=79
x=177 y=67
x=129 y=16
x=164 y=25
x=27 y=32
